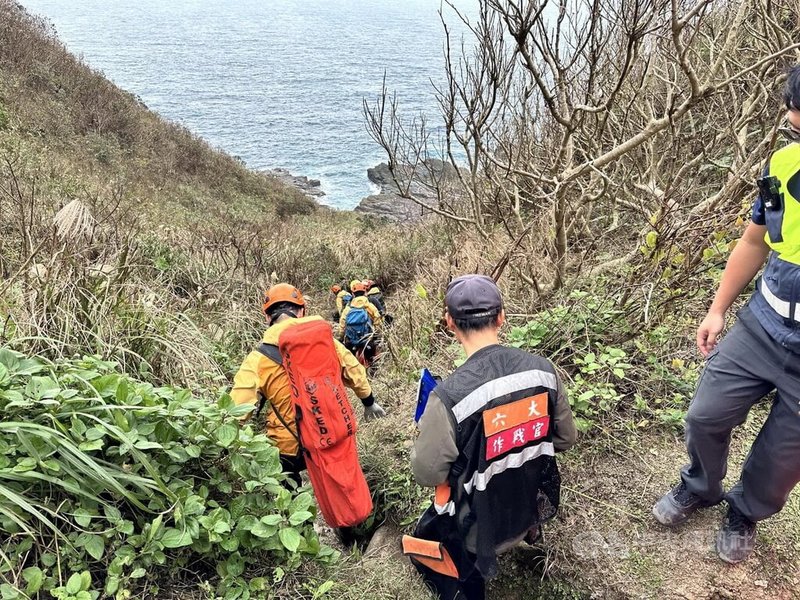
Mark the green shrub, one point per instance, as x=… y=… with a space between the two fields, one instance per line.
x=107 y=483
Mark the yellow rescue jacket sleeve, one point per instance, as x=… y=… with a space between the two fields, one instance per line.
x=246 y=383
x=342 y=320
x=354 y=375
x=259 y=373
x=374 y=314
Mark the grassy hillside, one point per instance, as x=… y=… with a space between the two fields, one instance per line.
x=132 y=261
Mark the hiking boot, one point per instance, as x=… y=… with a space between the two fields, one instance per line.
x=677 y=505
x=737 y=538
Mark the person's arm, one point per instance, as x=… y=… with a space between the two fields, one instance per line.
x=354 y=375
x=246 y=384
x=435 y=450
x=564 y=432
x=745 y=261
x=374 y=314
x=343 y=321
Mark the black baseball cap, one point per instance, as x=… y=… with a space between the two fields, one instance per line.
x=473 y=296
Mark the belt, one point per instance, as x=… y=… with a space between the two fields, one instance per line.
x=782 y=307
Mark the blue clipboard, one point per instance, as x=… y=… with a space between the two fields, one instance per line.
x=426 y=385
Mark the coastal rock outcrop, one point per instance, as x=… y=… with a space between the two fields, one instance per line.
x=388 y=202
x=310 y=187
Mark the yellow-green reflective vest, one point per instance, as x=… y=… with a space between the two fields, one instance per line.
x=783 y=224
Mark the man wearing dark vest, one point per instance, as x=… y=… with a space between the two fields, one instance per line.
x=487 y=442
x=760 y=354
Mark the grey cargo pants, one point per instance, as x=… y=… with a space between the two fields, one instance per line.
x=746 y=365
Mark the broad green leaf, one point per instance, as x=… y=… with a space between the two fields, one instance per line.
x=324 y=589
x=263 y=531
x=290 y=538
x=112 y=585
x=235 y=565
x=83 y=517
x=147 y=445
x=138 y=573
x=93 y=445
x=95 y=433
x=86 y=581
x=227 y=434
x=175 y=538
x=302 y=501
x=9 y=592
x=299 y=517
x=95 y=546
x=74 y=584
x=271 y=519
x=194 y=505
x=122 y=392
x=33 y=576
x=154 y=527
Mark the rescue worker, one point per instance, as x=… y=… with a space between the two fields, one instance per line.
x=343 y=297
x=375 y=296
x=360 y=324
x=487 y=442
x=284 y=307
x=761 y=353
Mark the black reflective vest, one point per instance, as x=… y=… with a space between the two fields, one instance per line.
x=505 y=481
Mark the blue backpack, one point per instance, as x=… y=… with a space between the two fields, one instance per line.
x=358 y=326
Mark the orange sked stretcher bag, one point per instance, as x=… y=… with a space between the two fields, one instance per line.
x=326 y=423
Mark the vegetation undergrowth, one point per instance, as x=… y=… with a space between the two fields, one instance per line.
x=109 y=486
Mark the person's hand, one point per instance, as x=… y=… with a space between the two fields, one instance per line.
x=374 y=411
x=709 y=331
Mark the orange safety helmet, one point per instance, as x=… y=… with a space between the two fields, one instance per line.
x=358 y=286
x=336 y=288
x=283 y=292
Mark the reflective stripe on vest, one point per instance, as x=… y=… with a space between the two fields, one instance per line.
x=479 y=398
x=785 y=165
x=479 y=481
x=782 y=307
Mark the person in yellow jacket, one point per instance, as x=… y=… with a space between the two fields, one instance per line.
x=284 y=307
x=359 y=324
x=343 y=297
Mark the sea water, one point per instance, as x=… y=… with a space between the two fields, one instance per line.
x=278 y=83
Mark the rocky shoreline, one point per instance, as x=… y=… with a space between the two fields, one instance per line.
x=387 y=204
x=310 y=187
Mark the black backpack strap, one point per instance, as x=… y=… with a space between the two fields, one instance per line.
x=272 y=352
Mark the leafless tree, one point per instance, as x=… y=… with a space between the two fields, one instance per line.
x=584 y=124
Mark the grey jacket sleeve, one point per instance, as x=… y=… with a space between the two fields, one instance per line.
x=564 y=432
x=435 y=449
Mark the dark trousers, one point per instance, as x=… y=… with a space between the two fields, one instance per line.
x=470 y=585
x=293 y=466
x=746 y=366
x=364 y=352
